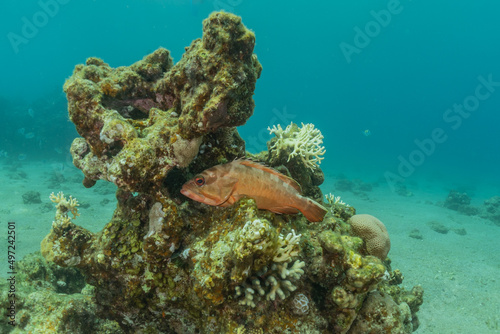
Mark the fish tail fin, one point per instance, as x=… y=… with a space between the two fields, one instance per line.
x=312 y=210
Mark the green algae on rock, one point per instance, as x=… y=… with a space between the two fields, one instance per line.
x=139 y=122
x=52 y=299
x=164 y=264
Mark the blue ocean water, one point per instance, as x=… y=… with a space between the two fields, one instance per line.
x=403 y=91
x=346 y=67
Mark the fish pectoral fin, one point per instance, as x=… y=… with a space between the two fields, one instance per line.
x=226 y=188
x=284 y=209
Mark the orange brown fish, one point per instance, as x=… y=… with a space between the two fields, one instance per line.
x=223 y=185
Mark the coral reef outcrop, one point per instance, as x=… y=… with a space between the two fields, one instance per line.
x=52 y=299
x=166 y=264
x=491 y=209
x=380 y=314
x=460 y=202
x=139 y=122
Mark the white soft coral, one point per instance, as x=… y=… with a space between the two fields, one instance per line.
x=306 y=142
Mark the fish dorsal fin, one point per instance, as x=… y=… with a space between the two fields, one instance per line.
x=282 y=177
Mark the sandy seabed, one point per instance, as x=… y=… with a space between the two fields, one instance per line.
x=460 y=274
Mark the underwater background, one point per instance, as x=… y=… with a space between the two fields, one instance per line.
x=406 y=94
x=427 y=58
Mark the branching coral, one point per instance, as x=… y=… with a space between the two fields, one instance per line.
x=257 y=260
x=338 y=208
x=259 y=239
x=334 y=200
x=278 y=282
x=288 y=247
x=277 y=279
x=295 y=272
x=64 y=206
x=307 y=143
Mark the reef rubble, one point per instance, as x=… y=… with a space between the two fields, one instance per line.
x=165 y=264
x=461 y=202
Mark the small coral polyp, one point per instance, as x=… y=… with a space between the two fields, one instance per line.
x=300 y=304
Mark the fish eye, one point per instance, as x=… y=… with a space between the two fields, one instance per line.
x=200 y=180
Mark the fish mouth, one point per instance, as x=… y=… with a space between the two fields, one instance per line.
x=188 y=193
x=194 y=196
x=197 y=197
